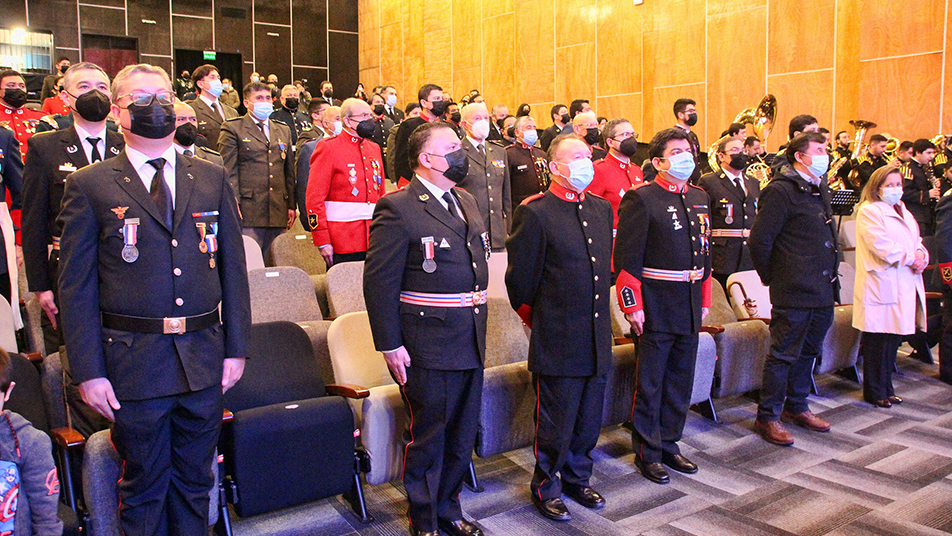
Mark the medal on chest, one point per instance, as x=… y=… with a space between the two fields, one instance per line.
x=429 y=254
x=674 y=218
x=129 y=238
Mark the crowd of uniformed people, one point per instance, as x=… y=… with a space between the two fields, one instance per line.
x=142 y=184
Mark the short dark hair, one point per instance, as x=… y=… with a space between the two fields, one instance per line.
x=905 y=146
x=922 y=145
x=801 y=142
x=254 y=87
x=576 y=107
x=555 y=110
x=425 y=91
x=315 y=105
x=660 y=141
x=876 y=138
x=523 y=109
x=10 y=72
x=736 y=128
x=411 y=106
x=325 y=82
x=837 y=134
x=63 y=58
x=609 y=130
x=420 y=137
x=798 y=123
x=681 y=104
x=202 y=71
x=749 y=142
x=5 y=369
x=824 y=130
x=722 y=144
x=554 y=146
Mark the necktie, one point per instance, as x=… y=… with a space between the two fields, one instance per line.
x=263 y=131
x=188 y=152
x=217 y=111
x=94 y=155
x=160 y=193
x=450 y=206
x=738 y=183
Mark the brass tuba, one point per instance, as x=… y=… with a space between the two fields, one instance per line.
x=892 y=146
x=862 y=128
x=761 y=120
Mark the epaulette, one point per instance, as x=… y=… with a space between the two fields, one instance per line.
x=594 y=195
x=239 y=118
x=862 y=159
x=51 y=121
x=940 y=159
x=211 y=151
x=905 y=171
x=532 y=198
x=639 y=185
x=497 y=142
x=696 y=186
x=947 y=192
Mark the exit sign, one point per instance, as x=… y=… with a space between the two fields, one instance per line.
x=209 y=55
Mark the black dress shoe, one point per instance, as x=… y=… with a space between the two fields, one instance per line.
x=584 y=495
x=895 y=399
x=654 y=472
x=884 y=403
x=553 y=509
x=679 y=463
x=460 y=527
x=417 y=532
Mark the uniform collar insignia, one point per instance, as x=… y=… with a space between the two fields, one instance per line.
x=424 y=197
x=113 y=150
x=564 y=193
x=670 y=187
x=120 y=212
x=72 y=149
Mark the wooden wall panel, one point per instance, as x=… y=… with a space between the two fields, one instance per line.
x=892 y=97
x=467 y=79
x=675 y=56
x=391 y=57
x=896 y=27
x=499 y=62
x=801 y=35
x=540 y=112
x=575 y=73
x=661 y=114
x=574 y=22
x=535 y=20
x=437 y=44
x=491 y=8
x=716 y=7
x=800 y=93
x=627 y=106
x=619 y=47
x=734 y=85
x=466 y=37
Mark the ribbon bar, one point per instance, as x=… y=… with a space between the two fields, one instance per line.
x=731 y=233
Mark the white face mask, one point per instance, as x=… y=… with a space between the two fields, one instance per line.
x=338 y=127
x=481 y=129
x=892 y=195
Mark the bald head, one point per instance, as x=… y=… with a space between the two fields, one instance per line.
x=473 y=112
x=353 y=106
x=184 y=114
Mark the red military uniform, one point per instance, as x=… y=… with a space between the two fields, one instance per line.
x=344 y=184
x=22 y=121
x=612 y=179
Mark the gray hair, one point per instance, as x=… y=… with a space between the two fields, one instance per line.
x=82 y=66
x=130 y=70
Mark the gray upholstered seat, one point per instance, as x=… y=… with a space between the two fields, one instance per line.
x=741 y=348
x=296 y=248
x=345 y=288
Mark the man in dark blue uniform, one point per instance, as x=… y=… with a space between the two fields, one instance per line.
x=559 y=280
x=943 y=247
x=425 y=280
x=662 y=257
x=151 y=247
x=733 y=205
x=793 y=246
x=11 y=171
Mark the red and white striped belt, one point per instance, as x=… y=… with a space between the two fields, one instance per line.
x=673 y=275
x=465 y=299
x=56 y=243
x=731 y=233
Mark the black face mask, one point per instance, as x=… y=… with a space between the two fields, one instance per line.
x=291 y=103
x=692 y=119
x=628 y=147
x=154 y=121
x=64 y=68
x=500 y=122
x=328 y=93
x=379 y=109
x=438 y=108
x=739 y=161
x=458 y=165
x=565 y=119
x=92 y=106
x=591 y=136
x=455 y=117
x=185 y=134
x=511 y=133
x=365 y=128
x=14 y=96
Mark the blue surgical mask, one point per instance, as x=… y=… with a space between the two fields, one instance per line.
x=820 y=163
x=214 y=88
x=892 y=195
x=391 y=100
x=530 y=137
x=338 y=127
x=682 y=166
x=581 y=173
x=262 y=110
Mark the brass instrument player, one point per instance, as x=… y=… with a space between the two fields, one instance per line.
x=920 y=188
x=869 y=161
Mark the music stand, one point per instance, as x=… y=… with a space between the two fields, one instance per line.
x=842 y=204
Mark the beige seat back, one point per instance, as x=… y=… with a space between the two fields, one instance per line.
x=345 y=288
x=506 y=340
x=283 y=293
x=253 y=257
x=353 y=356
x=297 y=249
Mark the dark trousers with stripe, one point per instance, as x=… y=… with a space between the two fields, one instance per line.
x=442 y=418
x=167 y=446
x=665 y=380
x=568 y=421
x=879 y=356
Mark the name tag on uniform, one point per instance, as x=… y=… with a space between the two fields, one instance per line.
x=521 y=168
x=67 y=167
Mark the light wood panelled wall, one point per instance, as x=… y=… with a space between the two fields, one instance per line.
x=884 y=61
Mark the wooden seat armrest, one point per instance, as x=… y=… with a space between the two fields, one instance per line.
x=347 y=390
x=933 y=295
x=227 y=416
x=34 y=357
x=67 y=438
x=619 y=341
x=851 y=248
x=713 y=330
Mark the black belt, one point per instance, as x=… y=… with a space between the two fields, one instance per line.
x=168 y=326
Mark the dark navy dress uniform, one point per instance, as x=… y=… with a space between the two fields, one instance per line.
x=121 y=313
x=865 y=165
x=559 y=281
x=732 y=215
x=793 y=245
x=528 y=171
x=943 y=248
x=917 y=180
x=11 y=171
x=438 y=313
x=662 y=257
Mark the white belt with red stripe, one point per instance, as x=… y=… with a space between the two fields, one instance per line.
x=56 y=243
x=344 y=211
x=731 y=233
x=673 y=275
x=466 y=299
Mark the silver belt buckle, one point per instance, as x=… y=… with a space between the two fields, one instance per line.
x=694 y=276
x=173 y=325
x=478 y=298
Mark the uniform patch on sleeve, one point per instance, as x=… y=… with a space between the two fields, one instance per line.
x=946 y=271
x=312 y=220
x=628 y=297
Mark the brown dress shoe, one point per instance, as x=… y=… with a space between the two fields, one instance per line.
x=773 y=432
x=807 y=420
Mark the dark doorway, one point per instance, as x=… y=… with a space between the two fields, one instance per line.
x=229 y=65
x=110 y=53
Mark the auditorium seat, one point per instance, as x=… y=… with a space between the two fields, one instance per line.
x=8 y=336
x=741 y=348
x=33 y=330
x=848 y=241
x=847 y=274
x=253 y=257
x=296 y=248
x=345 y=288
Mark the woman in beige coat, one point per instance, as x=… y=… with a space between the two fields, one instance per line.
x=889 y=296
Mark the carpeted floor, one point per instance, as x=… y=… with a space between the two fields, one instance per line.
x=878 y=472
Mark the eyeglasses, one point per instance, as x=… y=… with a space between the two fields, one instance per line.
x=361 y=117
x=144 y=98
